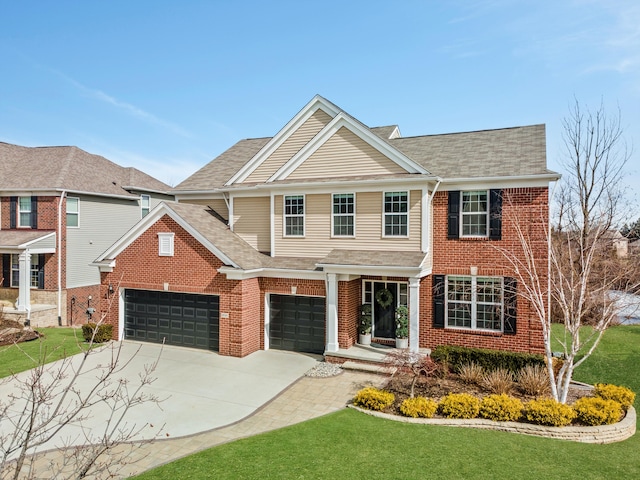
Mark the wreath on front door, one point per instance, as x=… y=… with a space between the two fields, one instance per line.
x=384 y=297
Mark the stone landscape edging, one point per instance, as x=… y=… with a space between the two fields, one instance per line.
x=616 y=432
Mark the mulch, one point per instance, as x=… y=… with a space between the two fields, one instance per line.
x=12 y=332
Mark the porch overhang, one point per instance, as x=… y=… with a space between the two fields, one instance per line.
x=17 y=241
x=380 y=263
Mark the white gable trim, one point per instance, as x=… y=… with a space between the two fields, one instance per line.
x=147 y=222
x=339 y=121
x=316 y=103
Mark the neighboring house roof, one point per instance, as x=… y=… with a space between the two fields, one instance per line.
x=71 y=169
x=506 y=152
x=21 y=239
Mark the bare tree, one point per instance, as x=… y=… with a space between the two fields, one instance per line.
x=54 y=400
x=574 y=287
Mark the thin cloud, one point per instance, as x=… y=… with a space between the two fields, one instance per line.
x=124 y=106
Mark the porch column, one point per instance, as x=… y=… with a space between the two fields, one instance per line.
x=332 y=313
x=24 y=286
x=414 y=314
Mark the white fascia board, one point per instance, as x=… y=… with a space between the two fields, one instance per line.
x=201 y=195
x=146 y=223
x=149 y=190
x=272 y=145
x=105 y=195
x=388 y=271
x=520 y=181
x=30 y=191
x=339 y=121
x=105 y=266
x=239 y=274
x=36 y=251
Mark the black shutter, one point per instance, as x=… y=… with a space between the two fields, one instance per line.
x=6 y=270
x=495 y=214
x=453 y=217
x=13 y=212
x=438 y=301
x=34 y=212
x=41 y=271
x=510 y=305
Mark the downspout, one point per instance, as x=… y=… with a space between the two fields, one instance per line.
x=430 y=201
x=60 y=259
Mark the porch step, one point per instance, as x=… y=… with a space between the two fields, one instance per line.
x=368 y=367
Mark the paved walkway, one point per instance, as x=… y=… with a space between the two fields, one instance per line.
x=308 y=398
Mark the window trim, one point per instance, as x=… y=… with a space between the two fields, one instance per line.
x=352 y=215
x=77 y=213
x=474 y=303
x=385 y=214
x=486 y=214
x=19 y=213
x=170 y=250
x=142 y=207
x=296 y=215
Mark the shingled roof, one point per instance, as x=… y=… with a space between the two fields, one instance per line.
x=69 y=168
x=505 y=152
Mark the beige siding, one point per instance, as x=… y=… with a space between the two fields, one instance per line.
x=217 y=204
x=251 y=220
x=318 y=240
x=345 y=155
x=290 y=147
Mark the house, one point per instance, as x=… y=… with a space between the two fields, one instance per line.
x=277 y=242
x=60 y=207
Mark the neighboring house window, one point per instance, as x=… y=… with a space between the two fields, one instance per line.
x=23 y=212
x=475 y=214
x=396 y=216
x=73 y=212
x=34 y=277
x=294 y=215
x=145 y=203
x=165 y=244
x=343 y=214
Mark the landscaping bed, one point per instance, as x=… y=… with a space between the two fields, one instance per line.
x=13 y=332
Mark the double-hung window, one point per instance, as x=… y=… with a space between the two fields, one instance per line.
x=396 y=214
x=73 y=212
x=145 y=204
x=24 y=211
x=343 y=214
x=474 y=302
x=294 y=215
x=475 y=213
x=33 y=274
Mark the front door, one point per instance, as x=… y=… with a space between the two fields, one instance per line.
x=385 y=299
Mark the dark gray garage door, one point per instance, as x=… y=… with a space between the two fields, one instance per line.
x=297 y=323
x=182 y=319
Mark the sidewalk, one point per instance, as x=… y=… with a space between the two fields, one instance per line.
x=306 y=399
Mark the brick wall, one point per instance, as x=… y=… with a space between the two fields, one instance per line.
x=349 y=301
x=527 y=207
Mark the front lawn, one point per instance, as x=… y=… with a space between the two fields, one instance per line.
x=56 y=343
x=349 y=444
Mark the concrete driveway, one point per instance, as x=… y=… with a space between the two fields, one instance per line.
x=199 y=390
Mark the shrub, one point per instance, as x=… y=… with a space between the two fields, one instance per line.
x=459 y=405
x=489 y=360
x=418 y=407
x=534 y=380
x=597 y=411
x=501 y=408
x=498 y=381
x=373 y=398
x=548 y=412
x=102 y=334
x=471 y=373
x=622 y=395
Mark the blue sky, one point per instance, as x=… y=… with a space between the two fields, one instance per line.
x=167 y=86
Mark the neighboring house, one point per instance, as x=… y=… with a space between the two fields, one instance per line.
x=60 y=207
x=619 y=243
x=278 y=242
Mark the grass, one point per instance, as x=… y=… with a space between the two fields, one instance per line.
x=57 y=343
x=349 y=444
